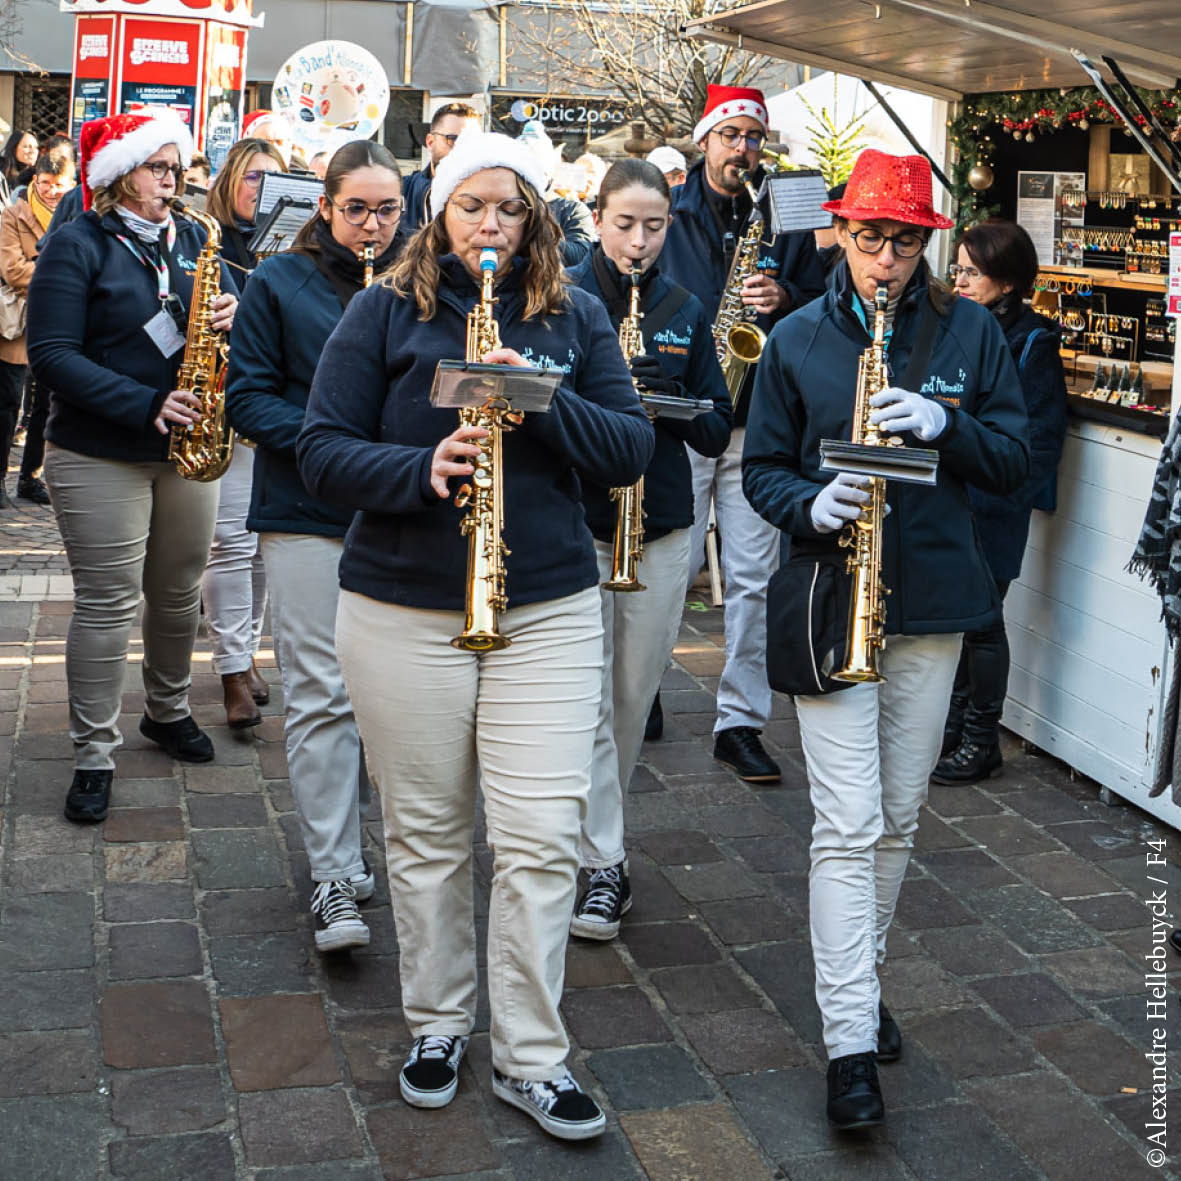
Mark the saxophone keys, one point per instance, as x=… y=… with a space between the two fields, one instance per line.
x=464 y=496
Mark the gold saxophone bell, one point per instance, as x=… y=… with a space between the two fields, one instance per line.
x=738 y=341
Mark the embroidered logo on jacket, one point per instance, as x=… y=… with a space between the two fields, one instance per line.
x=939 y=387
x=545 y=361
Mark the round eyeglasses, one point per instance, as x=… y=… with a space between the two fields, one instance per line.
x=969 y=273
x=159 y=170
x=732 y=137
x=509 y=212
x=871 y=241
x=356 y=213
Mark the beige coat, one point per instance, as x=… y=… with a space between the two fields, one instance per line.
x=20 y=231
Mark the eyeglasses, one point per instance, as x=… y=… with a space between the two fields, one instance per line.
x=254 y=177
x=732 y=137
x=969 y=273
x=356 y=213
x=510 y=212
x=871 y=241
x=449 y=137
x=160 y=170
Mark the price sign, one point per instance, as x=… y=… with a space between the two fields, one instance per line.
x=1174 y=274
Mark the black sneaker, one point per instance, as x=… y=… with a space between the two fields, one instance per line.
x=654 y=726
x=338 y=921
x=562 y=1108
x=604 y=902
x=30 y=488
x=739 y=749
x=889 y=1036
x=183 y=740
x=430 y=1076
x=89 y=796
x=854 y=1096
x=969 y=763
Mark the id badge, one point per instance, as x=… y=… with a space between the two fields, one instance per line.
x=164 y=333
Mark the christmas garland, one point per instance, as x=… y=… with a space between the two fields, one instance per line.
x=985 y=117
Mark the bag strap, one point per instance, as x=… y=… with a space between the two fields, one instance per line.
x=1028 y=346
x=660 y=316
x=920 y=353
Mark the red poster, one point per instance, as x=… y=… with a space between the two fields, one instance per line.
x=160 y=64
x=94 y=59
x=225 y=77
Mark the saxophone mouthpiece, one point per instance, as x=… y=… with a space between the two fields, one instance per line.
x=881 y=297
x=488 y=259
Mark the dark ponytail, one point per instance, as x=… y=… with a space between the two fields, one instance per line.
x=356 y=154
x=623 y=174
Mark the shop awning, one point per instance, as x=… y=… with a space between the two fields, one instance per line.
x=948 y=48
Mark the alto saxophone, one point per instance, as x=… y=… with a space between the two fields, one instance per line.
x=628 y=546
x=483 y=525
x=203 y=451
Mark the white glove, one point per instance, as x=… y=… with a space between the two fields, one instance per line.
x=839 y=503
x=897 y=410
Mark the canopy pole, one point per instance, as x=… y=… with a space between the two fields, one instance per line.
x=896 y=119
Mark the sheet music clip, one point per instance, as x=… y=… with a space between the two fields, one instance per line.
x=907 y=465
x=278 y=228
x=796 y=198
x=471 y=384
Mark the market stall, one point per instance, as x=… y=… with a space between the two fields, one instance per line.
x=1091 y=661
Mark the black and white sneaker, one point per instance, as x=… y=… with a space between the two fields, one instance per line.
x=562 y=1108
x=604 y=902
x=430 y=1076
x=364 y=882
x=338 y=921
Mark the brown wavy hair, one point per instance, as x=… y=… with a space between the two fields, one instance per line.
x=220 y=202
x=416 y=273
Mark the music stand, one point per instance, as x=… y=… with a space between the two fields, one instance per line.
x=795 y=199
x=907 y=465
x=670 y=406
x=472 y=384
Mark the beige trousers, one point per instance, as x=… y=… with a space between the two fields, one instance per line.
x=432 y=719
x=131 y=531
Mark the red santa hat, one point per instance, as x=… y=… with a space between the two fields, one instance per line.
x=254 y=121
x=114 y=146
x=728 y=102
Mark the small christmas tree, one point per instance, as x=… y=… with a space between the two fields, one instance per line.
x=835 y=149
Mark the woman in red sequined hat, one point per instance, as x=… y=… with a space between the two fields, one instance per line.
x=870 y=747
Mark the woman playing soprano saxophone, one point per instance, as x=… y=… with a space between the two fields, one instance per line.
x=869 y=748
x=434 y=716
x=678 y=358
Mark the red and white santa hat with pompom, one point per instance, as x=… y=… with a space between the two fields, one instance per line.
x=729 y=102
x=112 y=147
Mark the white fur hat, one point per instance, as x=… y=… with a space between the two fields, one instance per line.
x=473 y=152
x=113 y=146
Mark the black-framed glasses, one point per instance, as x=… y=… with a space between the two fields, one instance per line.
x=450 y=137
x=732 y=137
x=969 y=273
x=160 y=170
x=509 y=212
x=356 y=213
x=871 y=241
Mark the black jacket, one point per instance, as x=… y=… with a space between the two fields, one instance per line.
x=371 y=432
x=685 y=351
x=577 y=226
x=932 y=559
x=695 y=256
x=88 y=303
x=415 y=188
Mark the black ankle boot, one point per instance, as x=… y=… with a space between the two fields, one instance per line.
x=183 y=740
x=889 y=1036
x=854 y=1096
x=654 y=727
x=969 y=763
x=89 y=796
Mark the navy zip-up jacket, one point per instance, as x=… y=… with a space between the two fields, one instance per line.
x=685 y=351
x=88 y=303
x=288 y=312
x=371 y=432
x=414 y=211
x=932 y=560
x=694 y=255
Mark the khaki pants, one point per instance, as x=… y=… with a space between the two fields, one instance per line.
x=131 y=531
x=433 y=718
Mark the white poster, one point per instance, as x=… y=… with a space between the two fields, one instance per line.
x=1045 y=202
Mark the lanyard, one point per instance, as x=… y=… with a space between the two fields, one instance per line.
x=163 y=284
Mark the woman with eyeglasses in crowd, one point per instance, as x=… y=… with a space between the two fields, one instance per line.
x=290 y=308
x=234 y=589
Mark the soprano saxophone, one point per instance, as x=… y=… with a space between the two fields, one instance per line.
x=367 y=259
x=483 y=525
x=203 y=451
x=628 y=546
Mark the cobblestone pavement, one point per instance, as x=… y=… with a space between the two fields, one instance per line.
x=162 y=1014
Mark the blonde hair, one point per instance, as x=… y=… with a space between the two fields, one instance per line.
x=220 y=202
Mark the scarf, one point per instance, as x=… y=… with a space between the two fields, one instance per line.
x=339 y=265
x=1007 y=309
x=41 y=211
x=870 y=312
x=146 y=231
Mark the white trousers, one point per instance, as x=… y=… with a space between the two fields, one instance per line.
x=523 y=720
x=234 y=588
x=324 y=758
x=750 y=555
x=870 y=751
x=639 y=631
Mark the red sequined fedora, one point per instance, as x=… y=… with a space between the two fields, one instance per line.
x=889 y=188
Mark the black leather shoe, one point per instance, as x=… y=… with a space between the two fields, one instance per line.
x=183 y=740
x=889 y=1036
x=969 y=763
x=654 y=727
x=89 y=796
x=30 y=488
x=739 y=748
x=854 y=1097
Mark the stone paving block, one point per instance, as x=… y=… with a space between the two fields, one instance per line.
x=278 y=1041
x=49 y=836
x=236 y=858
x=257 y=965
x=872 y=1160
x=1093 y=839
x=742 y=820
x=751 y=920
x=1043 y=1118
x=654 y=811
x=375 y=1043
x=923 y=904
x=691 y=1142
x=158 y=1023
x=45 y=1000
x=138 y=902
x=743 y=1041
x=712 y=882
x=211 y=778
x=1047 y=805
x=149 y=862
x=371 y=982
x=1095 y=972
x=416 y=1143
x=142 y=950
x=666 y=945
x=774 y=854
x=785 y=1109
x=1027 y=999
x=47 y=931
x=156 y=1102
x=643 y=780
x=703 y=989
x=679 y=848
x=955 y=1140
x=144 y=824
x=145 y=793
x=292 y=832
x=279 y=791
x=1095 y=1059
x=1063 y=875
x=916 y=1080
x=973 y=951
x=338 y=1170
x=785 y=973
x=208 y=1156
x=47 y=1063
x=272 y=759
x=51 y=1138
x=953 y=802
x=653 y=898
x=227 y=811
x=1006 y=835
x=594 y=965
x=1110 y=912
x=967 y=1042
x=151 y=763
x=965 y=869
x=1033 y=921
x=64 y=873
x=1132 y=874
x=917 y=982
x=39 y=787
x=602 y=1017
x=542 y=1158
x=298 y=1126
x=248 y=912
x=933 y=834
